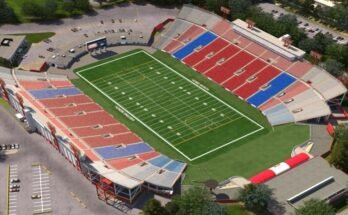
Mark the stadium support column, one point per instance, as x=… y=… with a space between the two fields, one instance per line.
x=21 y=102
x=53 y=133
x=3 y=89
x=77 y=156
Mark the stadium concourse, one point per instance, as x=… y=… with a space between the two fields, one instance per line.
x=267 y=72
x=113 y=158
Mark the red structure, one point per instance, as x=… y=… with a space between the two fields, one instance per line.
x=2 y=86
x=251 y=23
x=225 y=11
x=287 y=42
x=21 y=102
x=53 y=133
x=279 y=168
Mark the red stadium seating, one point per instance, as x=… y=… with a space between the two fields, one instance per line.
x=262 y=78
x=65 y=101
x=230 y=35
x=99 y=141
x=250 y=70
x=269 y=104
x=91 y=119
x=222 y=72
x=209 y=63
x=172 y=46
x=107 y=129
x=66 y=111
x=300 y=68
x=221 y=27
x=34 y=85
x=200 y=55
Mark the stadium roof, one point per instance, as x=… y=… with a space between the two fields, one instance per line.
x=9 y=45
x=313 y=179
x=267 y=40
x=114 y=175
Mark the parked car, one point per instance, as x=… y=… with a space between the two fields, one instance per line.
x=13 y=186
x=14 y=190
x=15 y=180
x=35 y=196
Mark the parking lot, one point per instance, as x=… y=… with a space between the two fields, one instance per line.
x=41 y=190
x=311 y=28
x=43 y=171
x=13 y=192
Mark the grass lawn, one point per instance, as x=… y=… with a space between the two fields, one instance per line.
x=244 y=158
x=38 y=37
x=4 y=104
x=236 y=209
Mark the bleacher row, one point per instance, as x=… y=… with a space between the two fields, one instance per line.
x=285 y=91
x=98 y=135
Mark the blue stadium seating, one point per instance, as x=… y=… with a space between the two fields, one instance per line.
x=53 y=93
x=202 y=40
x=175 y=166
x=160 y=161
x=111 y=152
x=276 y=85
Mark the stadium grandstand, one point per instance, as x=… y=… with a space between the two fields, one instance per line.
x=267 y=72
x=113 y=158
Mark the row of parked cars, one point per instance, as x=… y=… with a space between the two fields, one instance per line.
x=14 y=186
x=4 y=147
x=312 y=30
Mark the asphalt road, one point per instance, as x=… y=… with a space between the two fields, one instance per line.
x=68 y=190
x=267 y=7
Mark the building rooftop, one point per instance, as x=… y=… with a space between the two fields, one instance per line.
x=9 y=45
x=313 y=179
x=267 y=40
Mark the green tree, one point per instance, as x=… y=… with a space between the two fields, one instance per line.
x=256 y=197
x=339 y=154
x=172 y=208
x=239 y=8
x=193 y=201
x=50 y=8
x=31 y=8
x=315 y=207
x=307 y=6
x=334 y=67
x=211 y=208
x=309 y=44
x=82 y=5
x=6 y=13
x=154 y=207
x=338 y=52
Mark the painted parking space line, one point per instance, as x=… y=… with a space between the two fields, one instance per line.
x=41 y=186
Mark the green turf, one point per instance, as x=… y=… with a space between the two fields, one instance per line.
x=236 y=209
x=244 y=158
x=4 y=104
x=187 y=117
x=37 y=37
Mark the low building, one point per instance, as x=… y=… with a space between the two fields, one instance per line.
x=324 y=3
x=12 y=48
x=314 y=179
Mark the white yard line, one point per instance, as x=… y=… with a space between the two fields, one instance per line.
x=145 y=125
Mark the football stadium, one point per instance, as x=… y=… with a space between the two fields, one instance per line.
x=215 y=99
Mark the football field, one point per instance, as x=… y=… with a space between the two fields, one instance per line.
x=181 y=112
